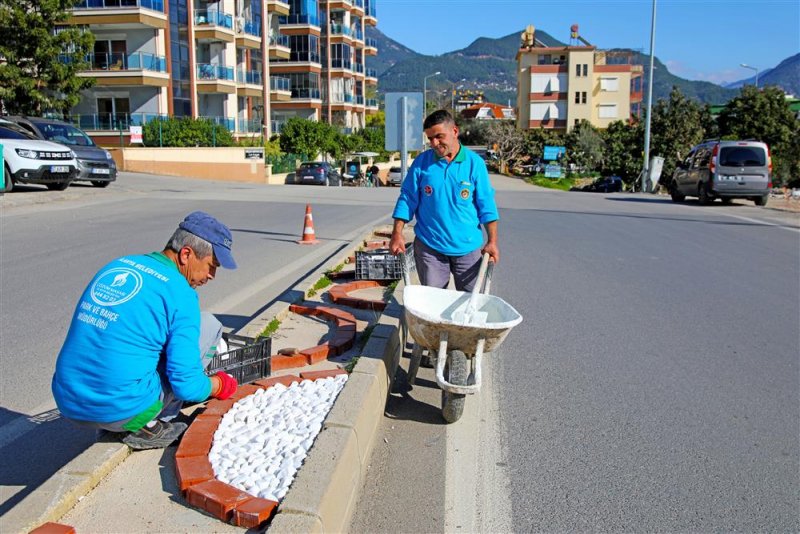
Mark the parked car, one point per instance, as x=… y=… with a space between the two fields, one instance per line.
x=29 y=160
x=317 y=173
x=395 y=176
x=725 y=170
x=606 y=184
x=95 y=164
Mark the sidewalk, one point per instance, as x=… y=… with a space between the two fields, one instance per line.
x=108 y=488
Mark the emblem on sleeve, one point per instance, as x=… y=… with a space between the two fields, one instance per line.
x=428 y=190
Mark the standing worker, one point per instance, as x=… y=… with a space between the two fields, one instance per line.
x=133 y=351
x=447 y=189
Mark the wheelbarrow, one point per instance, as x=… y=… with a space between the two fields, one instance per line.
x=458 y=327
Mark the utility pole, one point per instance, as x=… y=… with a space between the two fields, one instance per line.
x=646 y=170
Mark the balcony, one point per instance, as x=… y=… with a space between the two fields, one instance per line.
x=215 y=79
x=339 y=30
x=370 y=46
x=358 y=68
x=359 y=100
x=135 y=69
x=372 y=73
x=113 y=121
x=131 y=13
x=358 y=35
x=226 y=122
x=279 y=7
x=306 y=94
x=248 y=34
x=344 y=64
x=299 y=20
x=358 y=4
x=250 y=83
x=249 y=126
x=280 y=89
x=276 y=126
x=279 y=46
x=372 y=103
x=213 y=25
x=370 y=13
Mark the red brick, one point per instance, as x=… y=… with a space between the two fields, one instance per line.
x=318 y=353
x=288 y=351
x=286 y=380
x=192 y=470
x=313 y=375
x=53 y=528
x=335 y=313
x=280 y=363
x=216 y=498
x=244 y=391
x=301 y=309
x=216 y=417
x=253 y=513
x=197 y=439
x=218 y=407
x=336 y=292
x=344 y=324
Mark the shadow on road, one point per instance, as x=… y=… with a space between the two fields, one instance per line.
x=34 y=448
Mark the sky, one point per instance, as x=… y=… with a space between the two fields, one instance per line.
x=696 y=39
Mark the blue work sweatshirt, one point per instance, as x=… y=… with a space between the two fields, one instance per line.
x=137 y=314
x=449 y=200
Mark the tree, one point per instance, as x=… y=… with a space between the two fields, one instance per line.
x=585 y=147
x=40 y=58
x=309 y=138
x=185 y=132
x=624 y=146
x=510 y=142
x=677 y=126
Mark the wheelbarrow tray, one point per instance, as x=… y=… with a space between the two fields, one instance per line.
x=429 y=311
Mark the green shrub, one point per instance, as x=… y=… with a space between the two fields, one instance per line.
x=186 y=132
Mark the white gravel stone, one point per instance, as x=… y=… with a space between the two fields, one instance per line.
x=264 y=438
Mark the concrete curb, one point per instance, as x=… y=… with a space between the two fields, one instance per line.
x=54 y=498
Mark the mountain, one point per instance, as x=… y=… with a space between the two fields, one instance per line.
x=489 y=65
x=786 y=76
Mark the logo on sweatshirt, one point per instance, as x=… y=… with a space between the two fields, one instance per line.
x=465 y=194
x=428 y=190
x=116 y=286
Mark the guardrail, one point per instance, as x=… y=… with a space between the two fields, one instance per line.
x=155 y=5
x=213 y=17
x=206 y=71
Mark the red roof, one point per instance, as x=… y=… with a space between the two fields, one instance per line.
x=496 y=111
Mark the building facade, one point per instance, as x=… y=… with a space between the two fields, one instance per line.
x=248 y=65
x=557 y=87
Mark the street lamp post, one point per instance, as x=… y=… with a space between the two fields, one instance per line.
x=746 y=66
x=425 y=92
x=646 y=171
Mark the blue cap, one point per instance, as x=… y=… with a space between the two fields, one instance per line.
x=208 y=228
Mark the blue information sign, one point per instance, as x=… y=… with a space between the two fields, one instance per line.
x=552 y=171
x=553 y=152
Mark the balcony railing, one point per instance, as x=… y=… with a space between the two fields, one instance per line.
x=252 y=77
x=371 y=10
x=306 y=93
x=120 y=61
x=312 y=20
x=279 y=40
x=213 y=17
x=251 y=27
x=248 y=126
x=372 y=102
x=340 y=29
x=358 y=34
x=227 y=122
x=339 y=63
x=358 y=67
x=113 y=121
x=371 y=73
x=155 y=5
x=276 y=83
x=206 y=71
x=359 y=3
x=359 y=100
x=276 y=126
x=370 y=42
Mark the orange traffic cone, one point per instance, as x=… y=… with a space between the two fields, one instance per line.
x=309 y=237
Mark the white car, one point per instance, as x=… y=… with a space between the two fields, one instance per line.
x=395 y=176
x=31 y=161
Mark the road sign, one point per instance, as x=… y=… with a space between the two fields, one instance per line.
x=411 y=117
x=253 y=153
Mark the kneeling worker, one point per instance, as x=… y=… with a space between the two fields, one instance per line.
x=133 y=351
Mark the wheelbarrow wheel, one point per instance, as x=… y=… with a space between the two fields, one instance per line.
x=455 y=372
x=413 y=365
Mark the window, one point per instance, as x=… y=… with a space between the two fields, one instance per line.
x=608 y=111
x=743 y=156
x=577 y=69
x=577 y=97
x=576 y=122
x=585 y=69
x=583 y=97
x=609 y=84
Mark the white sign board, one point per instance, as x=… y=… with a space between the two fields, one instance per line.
x=656 y=165
x=136 y=135
x=412 y=116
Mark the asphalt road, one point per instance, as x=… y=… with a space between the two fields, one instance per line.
x=52 y=243
x=652 y=386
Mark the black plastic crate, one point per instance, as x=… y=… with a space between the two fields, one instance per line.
x=380 y=264
x=247 y=359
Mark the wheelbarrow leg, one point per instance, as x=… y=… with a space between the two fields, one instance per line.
x=413 y=366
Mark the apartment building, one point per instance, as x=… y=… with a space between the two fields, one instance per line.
x=240 y=63
x=557 y=87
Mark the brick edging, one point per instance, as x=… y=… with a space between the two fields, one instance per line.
x=343 y=340
x=340 y=295
x=195 y=476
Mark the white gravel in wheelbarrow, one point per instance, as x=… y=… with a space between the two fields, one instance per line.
x=263 y=439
